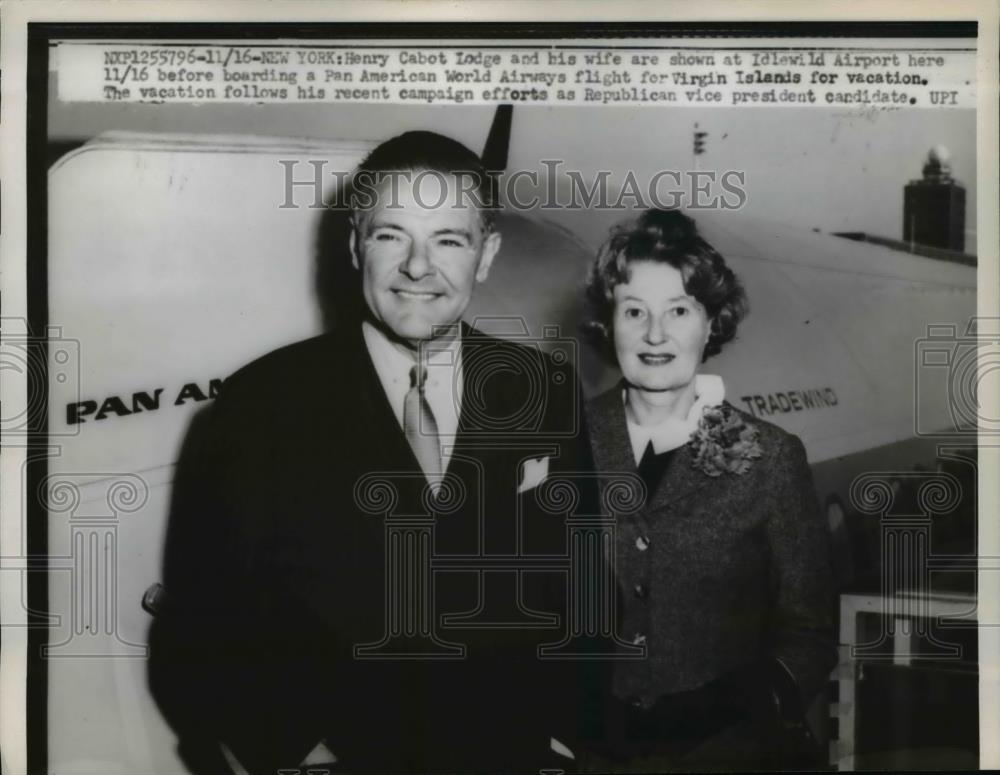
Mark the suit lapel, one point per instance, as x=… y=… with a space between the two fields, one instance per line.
x=487 y=395
x=373 y=417
x=464 y=422
x=482 y=399
x=609 y=430
x=680 y=480
x=484 y=458
x=613 y=452
x=376 y=423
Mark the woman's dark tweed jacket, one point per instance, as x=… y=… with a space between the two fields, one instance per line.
x=737 y=567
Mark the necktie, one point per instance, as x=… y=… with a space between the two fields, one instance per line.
x=420 y=428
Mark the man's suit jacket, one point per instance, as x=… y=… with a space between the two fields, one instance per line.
x=734 y=569
x=275 y=569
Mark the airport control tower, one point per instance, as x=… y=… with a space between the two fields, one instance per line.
x=934 y=206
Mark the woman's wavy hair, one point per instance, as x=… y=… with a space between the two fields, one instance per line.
x=669 y=237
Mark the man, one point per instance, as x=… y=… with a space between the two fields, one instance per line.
x=291 y=633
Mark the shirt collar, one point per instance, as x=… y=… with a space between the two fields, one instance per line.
x=443 y=388
x=710 y=390
x=390 y=358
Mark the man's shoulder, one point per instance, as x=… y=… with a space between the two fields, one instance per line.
x=289 y=365
x=523 y=380
x=302 y=351
x=523 y=350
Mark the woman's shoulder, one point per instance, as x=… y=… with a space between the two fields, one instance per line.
x=773 y=439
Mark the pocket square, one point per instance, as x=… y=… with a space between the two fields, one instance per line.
x=319 y=755
x=533 y=473
x=560 y=748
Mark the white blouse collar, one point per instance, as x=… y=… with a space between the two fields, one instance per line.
x=672 y=433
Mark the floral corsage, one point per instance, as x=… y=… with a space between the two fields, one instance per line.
x=723 y=442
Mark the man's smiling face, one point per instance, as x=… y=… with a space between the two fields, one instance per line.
x=421 y=250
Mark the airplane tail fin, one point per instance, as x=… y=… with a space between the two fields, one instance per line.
x=498 y=140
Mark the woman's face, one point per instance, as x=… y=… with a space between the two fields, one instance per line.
x=659 y=331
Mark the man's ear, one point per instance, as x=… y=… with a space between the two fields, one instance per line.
x=491 y=246
x=353 y=242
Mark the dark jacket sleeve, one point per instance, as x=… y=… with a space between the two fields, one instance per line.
x=190 y=667
x=216 y=668
x=801 y=629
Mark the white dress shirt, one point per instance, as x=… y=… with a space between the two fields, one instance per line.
x=443 y=389
x=672 y=433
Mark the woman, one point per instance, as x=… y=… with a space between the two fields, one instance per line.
x=723 y=574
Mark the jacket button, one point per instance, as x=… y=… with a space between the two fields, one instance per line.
x=639 y=590
x=642 y=543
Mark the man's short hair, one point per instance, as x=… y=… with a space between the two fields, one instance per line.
x=418 y=151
